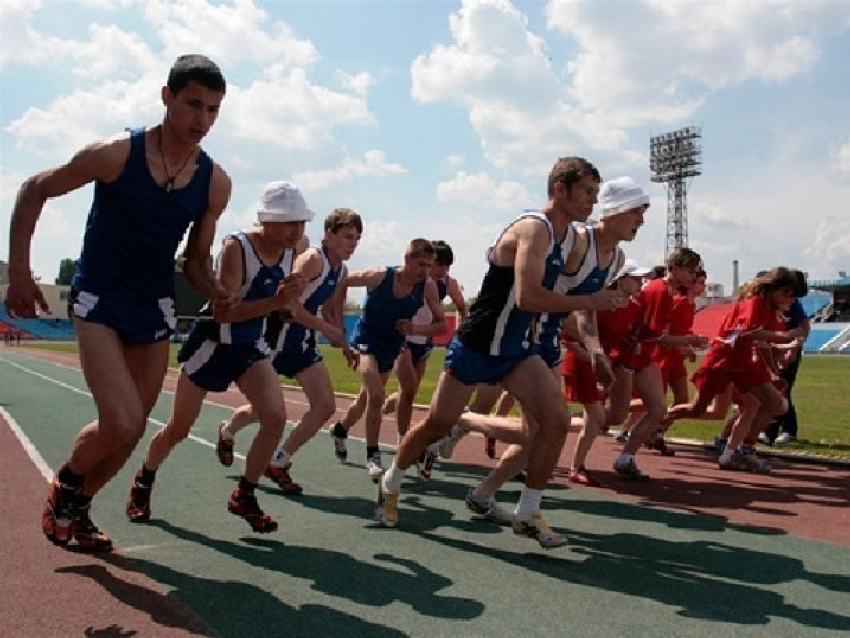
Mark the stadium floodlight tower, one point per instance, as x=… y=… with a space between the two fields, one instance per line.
x=673 y=158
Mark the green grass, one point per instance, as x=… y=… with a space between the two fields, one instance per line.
x=820 y=395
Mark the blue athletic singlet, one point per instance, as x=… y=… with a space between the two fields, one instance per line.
x=589 y=278
x=495 y=324
x=376 y=326
x=134 y=227
x=296 y=337
x=258 y=282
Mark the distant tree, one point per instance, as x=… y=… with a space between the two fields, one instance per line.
x=66 y=272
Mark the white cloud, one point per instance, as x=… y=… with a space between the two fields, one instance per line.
x=373 y=164
x=717 y=44
x=481 y=191
x=830 y=251
x=840 y=159
x=285 y=109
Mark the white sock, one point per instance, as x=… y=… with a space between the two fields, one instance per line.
x=434 y=448
x=624 y=459
x=281 y=458
x=529 y=503
x=392 y=479
x=226 y=432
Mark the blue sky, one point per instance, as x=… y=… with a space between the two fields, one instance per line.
x=442 y=119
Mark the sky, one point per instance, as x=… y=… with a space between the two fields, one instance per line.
x=441 y=119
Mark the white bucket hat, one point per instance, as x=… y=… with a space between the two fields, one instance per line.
x=621 y=195
x=632 y=269
x=283 y=202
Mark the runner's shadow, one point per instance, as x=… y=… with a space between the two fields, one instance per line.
x=392 y=579
x=233 y=608
x=705 y=580
x=162 y=608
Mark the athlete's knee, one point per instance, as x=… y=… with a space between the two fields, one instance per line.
x=325 y=408
x=779 y=405
x=273 y=422
x=123 y=425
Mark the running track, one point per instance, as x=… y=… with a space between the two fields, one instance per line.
x=733 y=554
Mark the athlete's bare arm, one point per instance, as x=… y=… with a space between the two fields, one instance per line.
x=198 y=263
x=309 y=266
x=438 y=321
x=231 y=271
x=455 y=293
x=103 y=160
x=527 y=241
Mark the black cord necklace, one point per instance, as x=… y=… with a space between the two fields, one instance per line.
x=168 y=184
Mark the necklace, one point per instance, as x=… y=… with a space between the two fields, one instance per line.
x=168 y=184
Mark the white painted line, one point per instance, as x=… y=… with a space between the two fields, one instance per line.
x=29 y=448
x=35 y=455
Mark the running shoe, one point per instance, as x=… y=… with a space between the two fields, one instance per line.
x=581 y=476
x=57 y=520
x=87 y=534
x=224 y=446
x=488 y=509
x=734 y=462
x=339 y=434
x=539 y=529
x=753 y=463
x=246 y=506
x=622 y=437
x=386 y=513
x=425 y=463
x=280 y=476
x=447 y=443
x=764 y=439
x=785 y=438
x=658 y=444
x=374 y=467
x=138 y=508
x=630 y=471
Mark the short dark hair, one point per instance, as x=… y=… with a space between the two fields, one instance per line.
x=570 y=171
x=443 y=254
x=339 y=218
x=197 y=68
x=420 y=247
x=802 y=285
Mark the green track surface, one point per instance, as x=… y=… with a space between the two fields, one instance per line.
x=629 y=570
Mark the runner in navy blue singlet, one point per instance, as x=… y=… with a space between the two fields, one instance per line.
x=296 y=353
x=150 y=186
x=256 y=267
x=495 y=345
x=393 y=296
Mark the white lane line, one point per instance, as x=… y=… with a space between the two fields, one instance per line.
x=29 y=448
x=36 y=456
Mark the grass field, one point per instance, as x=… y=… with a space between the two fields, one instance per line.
x=820 y=394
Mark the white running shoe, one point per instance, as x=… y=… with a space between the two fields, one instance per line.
x=447 y=444
x=375 y=468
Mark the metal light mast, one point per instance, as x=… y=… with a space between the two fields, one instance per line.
x=673 y=158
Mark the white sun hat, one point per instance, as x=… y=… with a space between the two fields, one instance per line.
x=632 y=269
x=283 y=202
x=620 y=195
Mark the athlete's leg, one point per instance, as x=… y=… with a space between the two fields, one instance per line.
x=259 y=384
x=409 y=377
x=318 y=388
